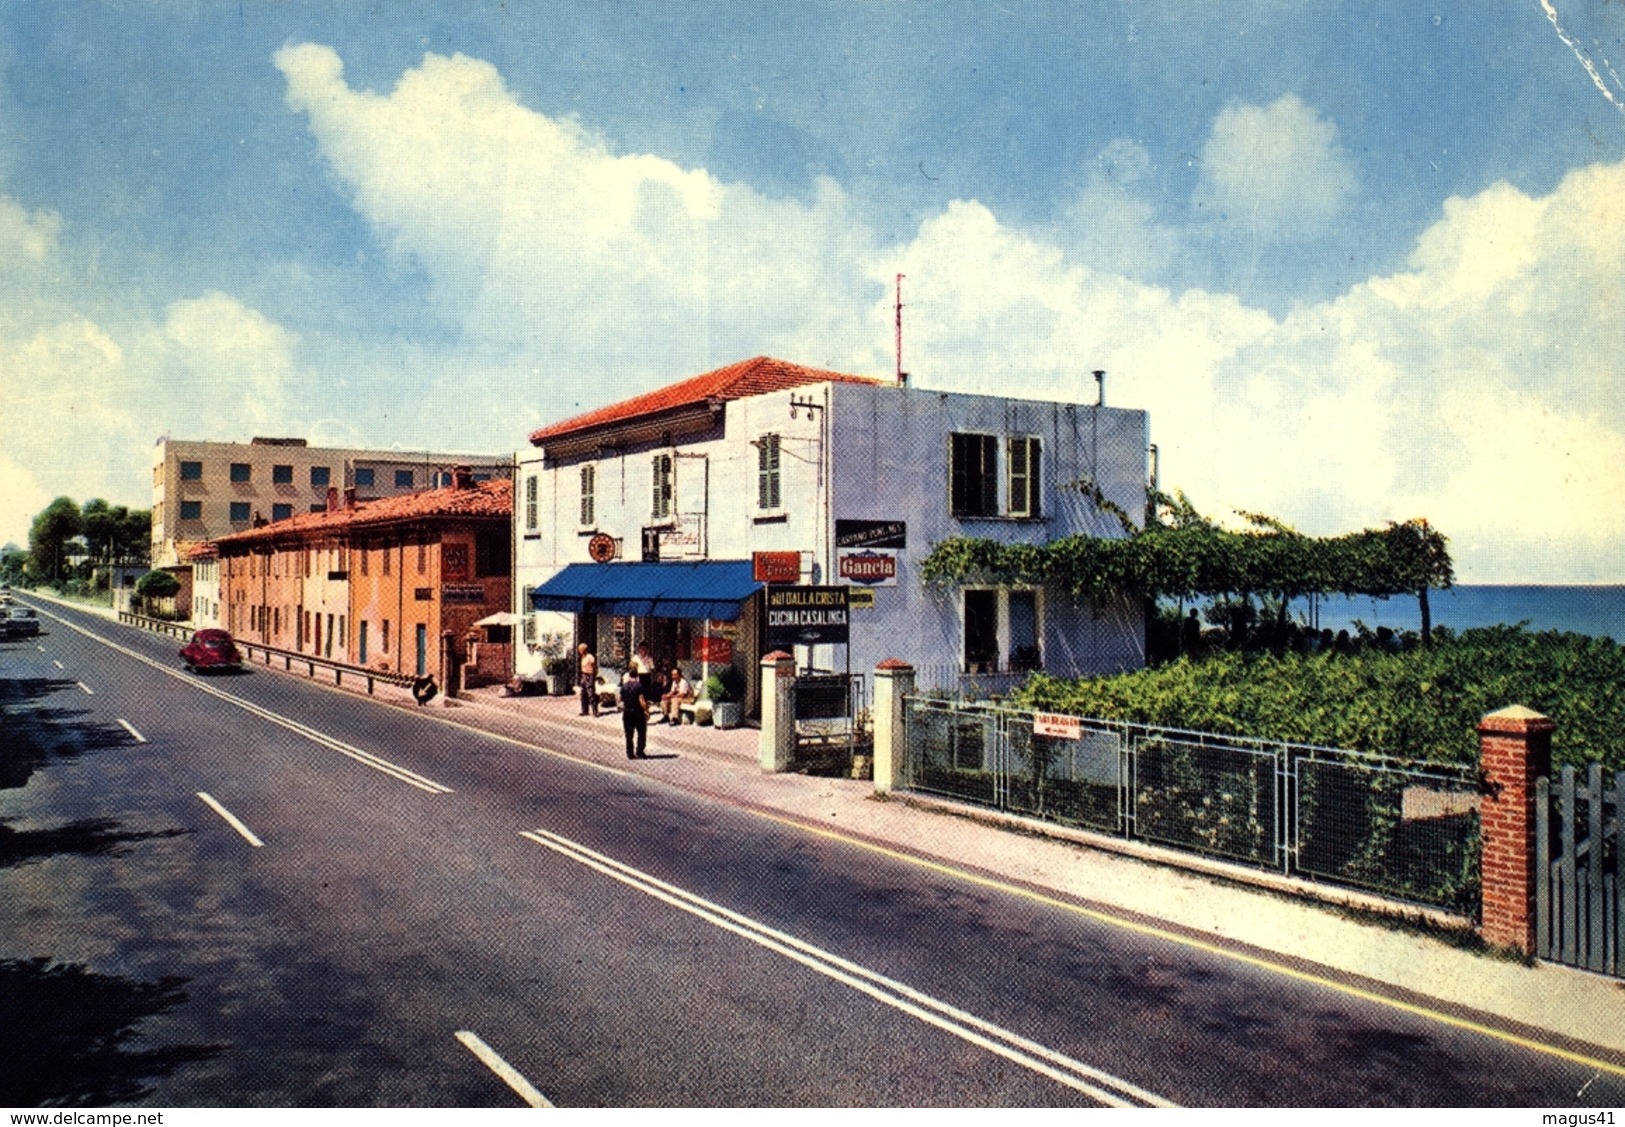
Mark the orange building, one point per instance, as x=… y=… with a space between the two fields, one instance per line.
x=395 y=584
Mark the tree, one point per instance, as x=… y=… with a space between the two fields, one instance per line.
x=48 y=537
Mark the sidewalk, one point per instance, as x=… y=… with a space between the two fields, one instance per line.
x=1303 y=937
x=1311 y=939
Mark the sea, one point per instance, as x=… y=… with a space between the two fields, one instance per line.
x=1596 y=610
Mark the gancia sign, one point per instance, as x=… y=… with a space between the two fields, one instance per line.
x=806 y=616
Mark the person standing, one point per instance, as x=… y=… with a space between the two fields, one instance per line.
x=589 y=679
x=644 y=666
x=634 y=716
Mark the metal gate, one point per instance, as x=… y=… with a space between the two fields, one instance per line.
x=828 y=709
x=1579 y=836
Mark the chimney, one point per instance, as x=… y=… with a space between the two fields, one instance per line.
x=332 y=498
x=462 y=477
x=349 y=498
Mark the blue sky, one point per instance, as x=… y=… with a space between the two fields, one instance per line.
x=1361 y=262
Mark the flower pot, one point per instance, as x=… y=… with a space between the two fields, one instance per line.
x=727 y=713
x=562 y=684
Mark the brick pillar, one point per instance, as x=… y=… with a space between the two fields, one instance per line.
x=1514 y=750
x=894 y=680
x=776 y=745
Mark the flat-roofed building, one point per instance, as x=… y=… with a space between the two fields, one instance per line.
x=205 y=490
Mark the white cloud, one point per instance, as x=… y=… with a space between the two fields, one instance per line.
x=540 y=240
x=1274 y=172
x=1478 y=389
x=1110 y=227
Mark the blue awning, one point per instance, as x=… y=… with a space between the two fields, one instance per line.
x=713 y=589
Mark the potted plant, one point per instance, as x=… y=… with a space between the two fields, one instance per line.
x=559 y=666
x=724 y=689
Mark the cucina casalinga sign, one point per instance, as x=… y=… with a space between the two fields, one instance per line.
x=806 y=616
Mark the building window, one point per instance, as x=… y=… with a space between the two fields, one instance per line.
x=1002 y=631
x=320 y=476
x=403 y=479
x=239 y=512
x=972 y=475
x=361 y=645
x=1023 y=467
x=530 y=503
x=363 y=477
x=423 y=557
x=491 y=554
x=241 y=471
x=281 y=512
x=589 y=496
x=191 y=510
x=767 y=472
x=981 y=631
x=384 y=636
x=281 y=475
x=385 y=555
x=191 y=471
x=664 y=487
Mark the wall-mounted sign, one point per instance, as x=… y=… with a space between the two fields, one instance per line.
x=453 y=562
x=602 y=547
x=684 y=540
x=775 y=567
x=463 y=593
x=806 y=616
x=651 y=545
x=869 y=566
x=860 y=598
x=871 y=534
x=714 y=649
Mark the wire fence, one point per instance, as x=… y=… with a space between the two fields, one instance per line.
x=1401 y=829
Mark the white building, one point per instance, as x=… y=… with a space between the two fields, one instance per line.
x=643 y=520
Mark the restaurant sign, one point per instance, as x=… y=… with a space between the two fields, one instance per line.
x=775 y=567
x=806 y=616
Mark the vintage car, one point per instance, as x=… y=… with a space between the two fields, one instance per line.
x=21 y=622
x=210 y=650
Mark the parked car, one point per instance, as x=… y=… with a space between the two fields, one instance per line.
x=210 y=650
x=22 y=622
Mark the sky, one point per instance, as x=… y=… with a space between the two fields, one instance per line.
x=1359 y=261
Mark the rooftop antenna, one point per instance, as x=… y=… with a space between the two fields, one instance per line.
x=902 y=376
x=1100 y=386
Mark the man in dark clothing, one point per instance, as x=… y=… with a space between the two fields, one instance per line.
x=634 y=715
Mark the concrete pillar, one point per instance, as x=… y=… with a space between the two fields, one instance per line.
x=776 y=745
x=894 y=679
x=1514 y=750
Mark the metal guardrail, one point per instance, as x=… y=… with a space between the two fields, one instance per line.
x=269 y=654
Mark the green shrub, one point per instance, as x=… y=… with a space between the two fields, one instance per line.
x=1420 y=704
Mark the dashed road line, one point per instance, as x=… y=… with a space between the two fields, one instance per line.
x=88 y=691
x=1114 y=1091
x=505 y=1071
x=377 y=763
x=128 y=727
x=231 y=820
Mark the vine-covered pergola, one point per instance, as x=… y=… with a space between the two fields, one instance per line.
x=1180 y=554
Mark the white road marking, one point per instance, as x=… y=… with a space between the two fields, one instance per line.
x=377 y=763
x=58 y=664
x=508 y=1074
x=231 y=820
x=88 y=690
x=139 y=738
x=1103 y=1086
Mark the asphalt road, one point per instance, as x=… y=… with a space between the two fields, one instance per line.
x=252 y=890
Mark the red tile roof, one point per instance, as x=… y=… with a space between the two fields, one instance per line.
x=756 y=376
x=484 y=499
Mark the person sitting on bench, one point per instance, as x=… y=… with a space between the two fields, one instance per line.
x=678 y=693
